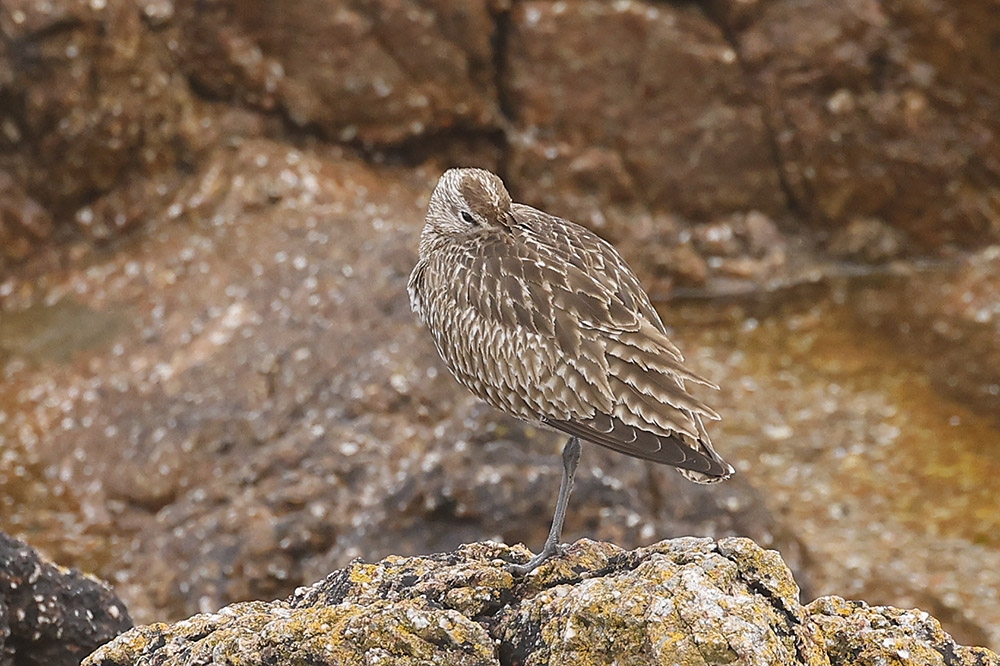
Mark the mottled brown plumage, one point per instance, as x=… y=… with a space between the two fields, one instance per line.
x=544 y=320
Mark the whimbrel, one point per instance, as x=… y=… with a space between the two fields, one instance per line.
x=544 y=320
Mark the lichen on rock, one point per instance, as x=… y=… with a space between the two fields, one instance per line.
x=681 y=602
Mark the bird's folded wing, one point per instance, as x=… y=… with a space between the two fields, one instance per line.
x=602 y=364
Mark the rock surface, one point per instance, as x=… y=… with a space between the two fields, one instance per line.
x=49 y=615
x=685 y=601
x=881 y=109
x=813 y=112
x=256 y=431
x=634 y=103
x=90 y=99
x=621 y=114
x=952 y=323
x=370 y=72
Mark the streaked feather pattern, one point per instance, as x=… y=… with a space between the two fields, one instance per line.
x=544 y=320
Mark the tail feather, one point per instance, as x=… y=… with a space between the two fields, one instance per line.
x=704 y=444
x=693 y=458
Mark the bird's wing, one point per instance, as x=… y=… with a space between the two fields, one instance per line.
x=604 y=368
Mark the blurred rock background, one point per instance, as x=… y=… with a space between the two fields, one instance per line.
x=212 y=386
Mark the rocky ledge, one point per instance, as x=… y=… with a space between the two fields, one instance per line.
x=678 y=602
x=49 y=615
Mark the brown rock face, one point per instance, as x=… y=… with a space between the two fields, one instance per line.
x=23 y=223
x=97 y=95
x=377 y=72
x=88 y=98
x=814 y=114
x=827 y=112
x=633 y=103
x=883 y=109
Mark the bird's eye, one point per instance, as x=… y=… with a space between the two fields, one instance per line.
x=467 y=217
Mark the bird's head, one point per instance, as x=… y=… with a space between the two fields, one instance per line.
x=464 y=202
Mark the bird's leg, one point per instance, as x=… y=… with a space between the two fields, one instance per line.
x=570 y=458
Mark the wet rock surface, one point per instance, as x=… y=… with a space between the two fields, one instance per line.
x=51 y=615
x=90 y=99
x=600 y=121
x=264 y=431
x=686 y=601
x=618 y=114
x=23 y=223
x=807 y=111
x=950 y=321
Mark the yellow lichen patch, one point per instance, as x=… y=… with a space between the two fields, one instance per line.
x=584 y=555
x=682 y=603
x=855 y=634
x=476 y=587
x=361 y=573
x=405 y=632
x=596 y=622
x=413 y=629
x=764 y=566
x=128 y=647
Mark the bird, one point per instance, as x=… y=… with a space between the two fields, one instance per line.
x=545 y=321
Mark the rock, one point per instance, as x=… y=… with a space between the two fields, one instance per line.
x=859 y=635
x=633 y=103
x=109 y=105
x=822 y=113
x=24 y=225
x=747 y=246
x=51 y=615
x=868 y=240
x=950 y=319
x=375 y=73
x=685 y=601
x=811 y=114
x=91 y=99
x=885 y=110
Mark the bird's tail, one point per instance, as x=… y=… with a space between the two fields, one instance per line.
x=704 y=445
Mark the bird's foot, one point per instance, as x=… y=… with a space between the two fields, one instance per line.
x=550 y=550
